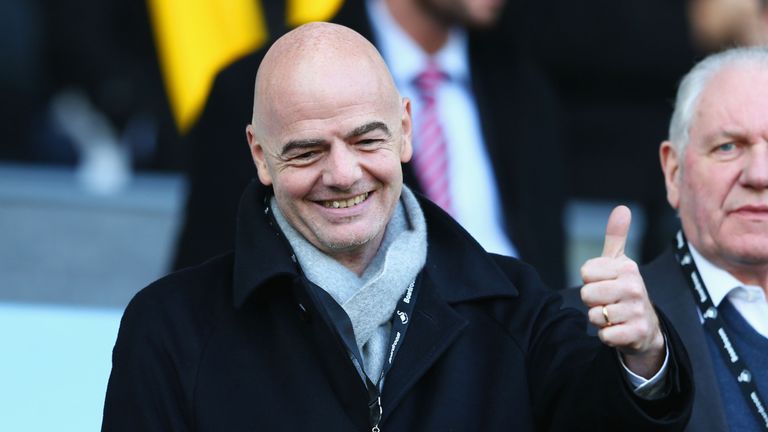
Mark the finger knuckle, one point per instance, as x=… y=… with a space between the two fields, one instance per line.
x=587 y=270
x=604 y=338
x=629 y=266
x=643 y=328
x=635 y=288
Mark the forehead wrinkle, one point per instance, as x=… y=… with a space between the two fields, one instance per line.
x=725 y=133
x=725 y=111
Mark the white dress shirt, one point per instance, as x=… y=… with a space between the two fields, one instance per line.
x=474 y=194
x=748 y=300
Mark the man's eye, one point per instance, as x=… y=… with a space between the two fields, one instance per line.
x=369 y=141
x=304 y=157
x=726 y=147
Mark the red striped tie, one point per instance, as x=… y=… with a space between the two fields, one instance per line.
x=431 y=157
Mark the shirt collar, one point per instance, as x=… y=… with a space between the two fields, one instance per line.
x=719 y=282
x=405 y=58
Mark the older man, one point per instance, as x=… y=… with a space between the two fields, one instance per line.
x=712 y=283
x=351 y=304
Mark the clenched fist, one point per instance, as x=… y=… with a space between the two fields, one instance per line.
x=618 y=302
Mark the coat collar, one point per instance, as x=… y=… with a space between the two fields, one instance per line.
x=458 y=265
x=460 y=269
x=262 y=253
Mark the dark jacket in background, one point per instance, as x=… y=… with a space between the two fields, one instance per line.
x=616 y=66
x=518 y=121
x=238 y=344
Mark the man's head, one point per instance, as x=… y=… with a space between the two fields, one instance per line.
x=329 y=132
x=716 y=162
x=470 y=13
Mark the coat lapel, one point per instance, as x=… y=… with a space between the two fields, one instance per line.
x=669 y=291
x=457 y=270
x=435 y=326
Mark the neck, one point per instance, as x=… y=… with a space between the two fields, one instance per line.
x=425 y=27
x=747 y=272
x=751 y=276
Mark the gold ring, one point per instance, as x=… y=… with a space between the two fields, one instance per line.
x=608 y=322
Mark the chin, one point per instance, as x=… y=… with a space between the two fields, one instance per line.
x=481 y=22
x=747 y=249
x=347 y=241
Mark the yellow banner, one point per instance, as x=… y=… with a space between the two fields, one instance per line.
x=303 y=11
x=195 y=39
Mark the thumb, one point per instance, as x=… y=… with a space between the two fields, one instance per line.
x=616 y=231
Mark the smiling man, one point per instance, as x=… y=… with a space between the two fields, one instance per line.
x=331 y=148
x=350 y=303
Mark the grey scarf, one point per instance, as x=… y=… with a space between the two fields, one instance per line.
x=369 y=300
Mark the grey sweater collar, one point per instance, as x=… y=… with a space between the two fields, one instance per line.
x=369 y=300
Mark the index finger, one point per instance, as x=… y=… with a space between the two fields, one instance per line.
x=616 y=232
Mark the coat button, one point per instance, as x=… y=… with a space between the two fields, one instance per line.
x=303 y=313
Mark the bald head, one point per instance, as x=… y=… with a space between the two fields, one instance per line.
x=316 y=58
x=329 y=134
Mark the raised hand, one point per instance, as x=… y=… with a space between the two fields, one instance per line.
x=618 y=302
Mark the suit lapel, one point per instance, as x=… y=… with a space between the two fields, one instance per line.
x=669 y=291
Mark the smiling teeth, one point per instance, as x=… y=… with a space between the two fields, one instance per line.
x=346 y=203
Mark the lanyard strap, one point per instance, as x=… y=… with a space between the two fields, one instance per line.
x=715 y=325
x=400 y=320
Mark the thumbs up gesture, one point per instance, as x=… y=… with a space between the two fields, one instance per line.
x=618 y=302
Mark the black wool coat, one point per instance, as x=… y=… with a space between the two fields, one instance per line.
x=238 y=344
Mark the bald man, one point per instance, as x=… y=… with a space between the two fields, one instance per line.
x=351 y=304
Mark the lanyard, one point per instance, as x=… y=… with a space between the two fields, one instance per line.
x=714 y=323
x=401 y=319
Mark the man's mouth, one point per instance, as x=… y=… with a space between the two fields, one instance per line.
x=757 y=209
x=345 y=203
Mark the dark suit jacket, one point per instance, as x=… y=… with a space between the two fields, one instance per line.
x=616 y=67
x=668 y=290
x=518 y=120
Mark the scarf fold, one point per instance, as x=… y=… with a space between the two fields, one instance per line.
x=369 y=300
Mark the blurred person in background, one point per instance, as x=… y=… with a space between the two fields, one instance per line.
x=21 y=73
x=85 y=74
x=501 y=176
x=713 y=282
x=615 y=67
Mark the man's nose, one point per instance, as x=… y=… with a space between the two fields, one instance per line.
x=755 y=172
x=342 y=168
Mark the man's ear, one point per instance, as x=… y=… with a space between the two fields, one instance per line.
x=670 y=165
x=259 y=158
x=406 y=124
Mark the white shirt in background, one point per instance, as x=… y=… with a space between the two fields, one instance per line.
x=474 y=194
